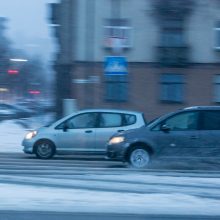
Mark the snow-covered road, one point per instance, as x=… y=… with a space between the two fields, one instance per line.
x=23 y=197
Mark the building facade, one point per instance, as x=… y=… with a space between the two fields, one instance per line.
x=153 y=56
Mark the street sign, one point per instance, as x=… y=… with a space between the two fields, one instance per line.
x=116 y=65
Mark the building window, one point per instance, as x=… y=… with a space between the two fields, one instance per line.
x=172 y=49
x=217 y=88
x=172 y=33
x=117 y=31
x=172 y=38
x=172 y=87
x=217 y=35
x=116 y=88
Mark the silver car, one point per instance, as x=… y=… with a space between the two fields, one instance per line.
x=83 y=132
x=191 y=132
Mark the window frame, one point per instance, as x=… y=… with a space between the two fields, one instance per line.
x=123 y=124
x=171 y=28
x=181 y=83
x=116 y=81
x=167 y=36
x=124 y=119
x=126 y=37
x=217 y=36
x=115 y=113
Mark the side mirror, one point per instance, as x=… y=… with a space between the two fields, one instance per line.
x=165 y=128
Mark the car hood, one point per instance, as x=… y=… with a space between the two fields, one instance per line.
x=42 y=129
x=132 y=132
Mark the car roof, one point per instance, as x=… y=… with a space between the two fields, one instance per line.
x=109 y=110
x=214 y=107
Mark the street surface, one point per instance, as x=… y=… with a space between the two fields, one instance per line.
x=89 y=187
x=94 y=216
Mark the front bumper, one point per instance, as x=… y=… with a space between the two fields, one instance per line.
x=116 y=151
x=28 y=146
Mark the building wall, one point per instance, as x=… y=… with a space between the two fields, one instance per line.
x=82 y=48
x=140 y=15
x=200 y=32
x=145 y=86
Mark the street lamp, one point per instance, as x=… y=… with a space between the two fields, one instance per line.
x=18 y=60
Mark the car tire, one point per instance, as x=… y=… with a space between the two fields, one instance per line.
x=139 y=157
x=44 y=149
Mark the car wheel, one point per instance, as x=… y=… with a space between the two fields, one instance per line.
x=139 y=157
x=44 y=149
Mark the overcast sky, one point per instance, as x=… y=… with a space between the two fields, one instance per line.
x=28 y=25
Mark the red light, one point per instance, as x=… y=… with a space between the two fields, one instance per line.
x=34 y=92
x=13 y=72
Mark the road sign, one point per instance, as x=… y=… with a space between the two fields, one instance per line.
x=116 y=65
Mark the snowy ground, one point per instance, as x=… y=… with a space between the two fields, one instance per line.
x=163 y=199
x=12 y=132
x=134 y=193
x=74 y=200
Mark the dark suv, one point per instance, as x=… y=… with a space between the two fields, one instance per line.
x=191 y=132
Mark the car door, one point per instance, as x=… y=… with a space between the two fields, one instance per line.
x=77 y=133
x=178 y=135
x=210 y=133
x=111 y=123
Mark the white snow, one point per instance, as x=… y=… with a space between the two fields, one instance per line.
x=74 y=200
x=12 y=132
x=11 y=135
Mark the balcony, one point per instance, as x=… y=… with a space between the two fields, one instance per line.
x=173 y=56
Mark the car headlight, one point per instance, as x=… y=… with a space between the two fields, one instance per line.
x=30 y=135
x=116 y=140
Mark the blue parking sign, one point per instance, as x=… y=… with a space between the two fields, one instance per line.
x=116 y=65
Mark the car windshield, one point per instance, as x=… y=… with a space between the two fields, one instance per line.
x=152 y=121
x=155 y=121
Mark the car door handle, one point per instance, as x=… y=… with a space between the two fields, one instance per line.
x=120 y=130
x=194 y=137
x=88 y=131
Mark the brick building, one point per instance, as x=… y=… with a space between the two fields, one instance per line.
x=172 y=50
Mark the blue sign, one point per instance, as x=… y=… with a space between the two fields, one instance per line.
x=116 y=65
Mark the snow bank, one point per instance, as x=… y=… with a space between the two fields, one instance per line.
x=12 y=132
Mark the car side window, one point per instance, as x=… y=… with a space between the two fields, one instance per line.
x=211 y=120
x=108 y=120
x=129 y=119
x=87 y=120
x=183 y=121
